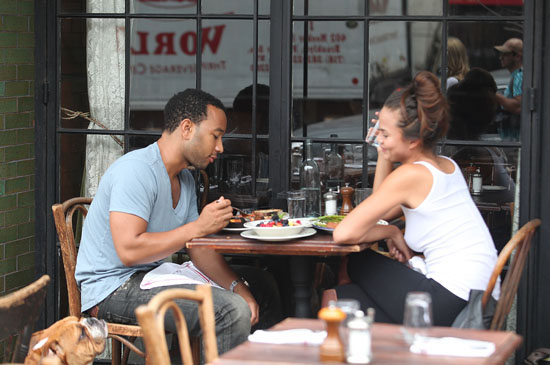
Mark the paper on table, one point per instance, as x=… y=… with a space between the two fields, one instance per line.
x=173 y=274
x=295 y=336
x=451 y=346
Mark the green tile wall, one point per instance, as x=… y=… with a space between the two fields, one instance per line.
x=17 y=162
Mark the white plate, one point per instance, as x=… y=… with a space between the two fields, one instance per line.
x=493 y=188
x=241 y=229
x=306 y=232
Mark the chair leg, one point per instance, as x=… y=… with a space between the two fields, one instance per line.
x=328 y=295
x=116 y=352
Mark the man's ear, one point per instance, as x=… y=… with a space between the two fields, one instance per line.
x=187 y=128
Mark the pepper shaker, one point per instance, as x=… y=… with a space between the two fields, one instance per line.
x=347 y=193
x=332 y=348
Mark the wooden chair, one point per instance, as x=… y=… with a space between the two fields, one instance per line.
x=521 y=243
x=18 y=313
x=63 y=216
x=151 y=318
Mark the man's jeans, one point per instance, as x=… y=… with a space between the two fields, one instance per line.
x=231 y=312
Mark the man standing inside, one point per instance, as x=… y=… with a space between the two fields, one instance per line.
x=145 y=210
x=511 y=53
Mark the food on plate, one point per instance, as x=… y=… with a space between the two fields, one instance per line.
x=331 y=221
x=275 y=221
x=266 y=213
x=328 y=221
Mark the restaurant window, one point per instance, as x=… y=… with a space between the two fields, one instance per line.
x=119 y=65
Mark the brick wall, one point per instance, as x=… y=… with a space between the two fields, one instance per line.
x=17 y=243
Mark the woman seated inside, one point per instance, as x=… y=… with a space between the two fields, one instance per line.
x=442 y=221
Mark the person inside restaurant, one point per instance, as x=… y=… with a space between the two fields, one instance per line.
x=145 y=210
x=442 y=221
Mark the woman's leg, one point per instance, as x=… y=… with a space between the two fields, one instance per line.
x=386 y=282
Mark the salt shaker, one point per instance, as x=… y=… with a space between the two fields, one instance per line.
x=330 y=202
x=359 y=340
x=477 y=180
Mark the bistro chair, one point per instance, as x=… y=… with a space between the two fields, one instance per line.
x=521 y=243
x=63 y=216
x=151 y=318
x=18 y=313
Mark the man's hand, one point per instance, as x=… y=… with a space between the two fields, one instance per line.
x=215 y=216
x=244 y=292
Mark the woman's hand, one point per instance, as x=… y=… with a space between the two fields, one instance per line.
x=398 y=248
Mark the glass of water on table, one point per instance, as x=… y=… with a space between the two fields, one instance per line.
x=296 y=203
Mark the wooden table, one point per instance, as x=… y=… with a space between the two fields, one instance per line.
x=388 y=347
x=301 y=252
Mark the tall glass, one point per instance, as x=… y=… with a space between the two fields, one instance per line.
x=296 y=203
x=417 y=318
x=362 y=194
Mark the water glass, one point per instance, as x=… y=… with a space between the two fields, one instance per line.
x=349 y=307
x=362 y=194
x=417 y=318
x=296 y=203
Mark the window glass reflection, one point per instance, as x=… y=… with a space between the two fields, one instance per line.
x=162 y=63
x=405 y=7
x=398 y=51
x=327 y=78
x=486 y=7
x=485 y=101
x=228 y=73
x=498 y=167
x=329 y=7
x=162 y=6
x=234 y=6
x=74 y=90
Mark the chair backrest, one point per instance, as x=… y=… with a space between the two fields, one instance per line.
x=18 y=313
x=521 y=243
x=151 y=320
x=63 y=217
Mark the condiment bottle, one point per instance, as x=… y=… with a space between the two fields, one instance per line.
x=477 y=180
x=310 y=182
x=331 y=198
x=332 y=348
x=334 y=166
x=359 y=340
x=347 y=193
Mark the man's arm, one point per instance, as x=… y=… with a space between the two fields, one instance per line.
x=216 y=268
x=512 y=105
x=134 y=245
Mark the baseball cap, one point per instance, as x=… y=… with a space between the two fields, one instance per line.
x=511 y=45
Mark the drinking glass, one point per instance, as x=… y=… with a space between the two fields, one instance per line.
x=349 y=307
x=362 y=194
x=417 y=318
x=296 y=203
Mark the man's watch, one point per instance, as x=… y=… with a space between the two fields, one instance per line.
x=235 y=282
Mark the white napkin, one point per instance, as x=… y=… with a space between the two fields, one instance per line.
x=295 y=336
x=451 y=346
x=173 y=274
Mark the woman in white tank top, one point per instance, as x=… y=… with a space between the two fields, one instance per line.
x=442 y=221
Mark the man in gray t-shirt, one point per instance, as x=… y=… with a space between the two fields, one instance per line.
x=145 y=210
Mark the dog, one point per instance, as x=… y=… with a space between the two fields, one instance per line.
x=69 y=341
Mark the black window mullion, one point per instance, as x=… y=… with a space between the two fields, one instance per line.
x=127 y=49
x=198 y=47
x=366 y=101
x=254 y=94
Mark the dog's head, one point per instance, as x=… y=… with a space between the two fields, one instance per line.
x=72 y=341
